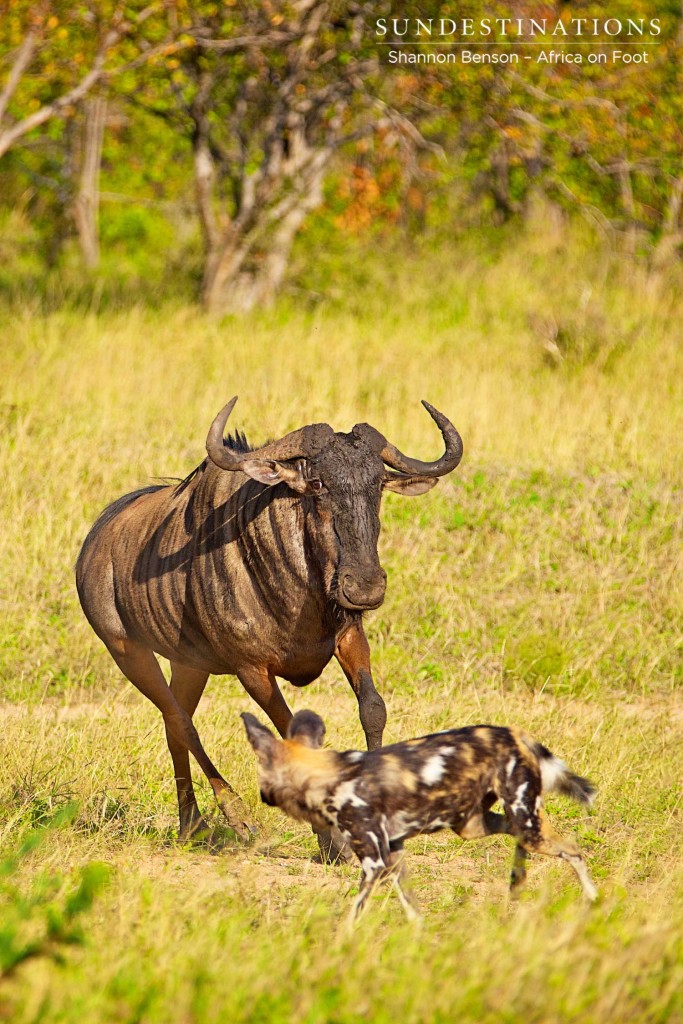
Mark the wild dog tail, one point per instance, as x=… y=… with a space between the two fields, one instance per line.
x=556 y=777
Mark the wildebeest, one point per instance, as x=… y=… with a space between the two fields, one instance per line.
x=259 y=564
x=449 y=779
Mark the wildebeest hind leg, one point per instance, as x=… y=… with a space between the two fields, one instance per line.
x=187 y=686
x=140 y=666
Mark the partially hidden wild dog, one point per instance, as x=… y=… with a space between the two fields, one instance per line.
x=449 y=779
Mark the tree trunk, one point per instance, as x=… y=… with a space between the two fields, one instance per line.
x=237 y=280
x=672 y=232
x=86 y=206
x=629 y=206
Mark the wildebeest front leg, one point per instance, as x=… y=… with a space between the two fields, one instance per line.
x=261 y=685
x=187 y=686
x=353 y=654
x=140 y=666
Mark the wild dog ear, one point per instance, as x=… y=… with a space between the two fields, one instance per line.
x=261 y=739
x=409 y=486
x=307 y=728
x=269 y=472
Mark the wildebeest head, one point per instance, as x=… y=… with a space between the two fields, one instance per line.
x=345 y=474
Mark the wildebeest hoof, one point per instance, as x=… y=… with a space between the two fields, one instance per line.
x=333 y=848
x=243 y=831
x=198 y=833
x=236 y=815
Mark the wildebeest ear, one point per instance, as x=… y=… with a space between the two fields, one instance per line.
x=308 y=728
x=269 y=472
x=261 y=739
x=410 y=486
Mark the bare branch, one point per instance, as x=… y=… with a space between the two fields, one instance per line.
x=592 y=213
x=674 y=206
x=69 y=98
x=119 y=27
x=274 y=38
x=407 y=128
x=545 y=97
x=21 y=62
x=145 y=56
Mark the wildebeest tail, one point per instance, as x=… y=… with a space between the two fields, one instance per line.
x=557 y=778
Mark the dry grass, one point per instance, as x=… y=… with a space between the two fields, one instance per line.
x=540 y=585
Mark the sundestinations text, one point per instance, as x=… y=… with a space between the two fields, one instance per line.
x=523 y=28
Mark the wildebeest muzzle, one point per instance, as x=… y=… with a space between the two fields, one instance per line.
x=360 y=590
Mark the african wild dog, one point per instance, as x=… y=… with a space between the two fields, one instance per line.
x=450 y=779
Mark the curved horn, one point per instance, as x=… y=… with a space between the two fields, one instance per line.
x=218 y=453
x=446 y=464
x=302 y=443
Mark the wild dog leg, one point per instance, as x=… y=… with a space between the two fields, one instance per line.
x=518 y=873
x=398 y=874
x=484 y=822
x=372 y=849
x=536 y=835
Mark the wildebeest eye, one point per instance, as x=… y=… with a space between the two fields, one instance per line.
x=316 y=486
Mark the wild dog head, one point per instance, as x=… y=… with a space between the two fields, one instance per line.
x=295 y=773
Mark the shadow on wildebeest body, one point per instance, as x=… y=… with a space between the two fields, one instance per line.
x=259 y=564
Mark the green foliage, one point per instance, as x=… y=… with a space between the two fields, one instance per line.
x=602 y=139
x=583 y=134
x=40 y=919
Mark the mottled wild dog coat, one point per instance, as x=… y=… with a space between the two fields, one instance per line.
x=449 y=779
x=260 y=564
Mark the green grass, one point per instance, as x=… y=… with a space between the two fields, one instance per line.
x=539 y=585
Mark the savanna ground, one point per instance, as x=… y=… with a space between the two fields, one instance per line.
x=540 y=585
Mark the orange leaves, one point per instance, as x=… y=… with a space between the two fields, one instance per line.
x=373 y=197
x=362 y=193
